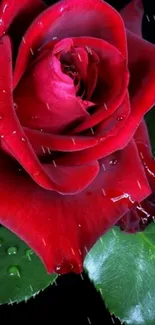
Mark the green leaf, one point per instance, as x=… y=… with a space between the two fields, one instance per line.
x=22 y=274
x=150 y=121
x=122 y=268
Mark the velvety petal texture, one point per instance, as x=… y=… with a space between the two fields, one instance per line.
x=75 y=156
x=61 y=229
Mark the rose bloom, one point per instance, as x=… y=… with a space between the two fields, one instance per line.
x=75 y=157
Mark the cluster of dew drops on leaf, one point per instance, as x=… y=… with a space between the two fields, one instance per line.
x=14 y=270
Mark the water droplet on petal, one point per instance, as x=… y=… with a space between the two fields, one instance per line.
x=31 y=50
x=23 y=139
x=14 y=271
x=1 y=117
x=40 y=23
x=15 y=106
x=34 y=117
x=5 y=7
x=113 y=162
x=2 y=136
x=4 y=91
x=62 y=9
x=12 y=250
x=120 y=118
x=29 y=253
x=86 y=103
x=58 y=268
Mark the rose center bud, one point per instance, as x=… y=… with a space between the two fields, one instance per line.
x=55 y=92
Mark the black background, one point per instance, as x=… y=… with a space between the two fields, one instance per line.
x=72 y=300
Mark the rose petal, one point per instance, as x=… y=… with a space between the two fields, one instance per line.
x=11 y=11
x=72 y=18
x=108 y=134
x=144 y=147
x=132 y=15
x=63 y=143
x=142 y=72
x=61 y=229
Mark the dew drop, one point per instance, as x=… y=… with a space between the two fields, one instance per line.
x=23 y=139
x=113 y=162
x=4 y=9
x=58 y=268
x=120 y=118
x=29 y=253
x=2 y=136
x=62 y=9
x=12 y=250
x=14 y=271
x=34 y=117
x=15 y=106
x=1 y=117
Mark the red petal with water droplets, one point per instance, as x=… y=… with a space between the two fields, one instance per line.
x=140 y=216
x=145 y=152
x=62 y=228
x=132 y=15
x=11 y=11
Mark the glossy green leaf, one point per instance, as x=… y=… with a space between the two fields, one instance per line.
x=122 y=268
x=22 y=274
x=150 y=120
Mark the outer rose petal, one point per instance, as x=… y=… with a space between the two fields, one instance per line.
x=72 y=18
x=61 y=229
x=132 y=15
x=142 y=71
x=12 y=9
x=137 y=218
x=144 y=147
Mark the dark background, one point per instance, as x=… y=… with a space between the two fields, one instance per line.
x=73 y=300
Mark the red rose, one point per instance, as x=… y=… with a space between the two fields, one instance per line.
x=74 y=88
